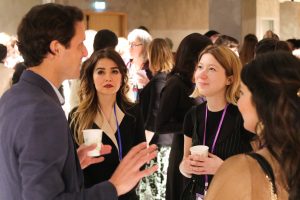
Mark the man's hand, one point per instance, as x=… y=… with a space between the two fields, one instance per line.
x=86 y=160
x=128 y=173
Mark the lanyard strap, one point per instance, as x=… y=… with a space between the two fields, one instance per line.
x=119 y=135
x=215 y=140
x=219 y=127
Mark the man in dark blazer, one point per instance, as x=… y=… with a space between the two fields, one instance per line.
x=37 y=155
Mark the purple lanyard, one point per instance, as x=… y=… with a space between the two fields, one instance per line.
x=215 y=140
x=119 y=135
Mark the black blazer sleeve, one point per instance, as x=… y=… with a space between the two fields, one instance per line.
x=169 y=102
x=150 y=100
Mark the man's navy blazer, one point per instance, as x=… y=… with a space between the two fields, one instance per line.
x=37 y=155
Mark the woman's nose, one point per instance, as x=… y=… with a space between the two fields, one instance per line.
x=201 y=74
x=107 y=77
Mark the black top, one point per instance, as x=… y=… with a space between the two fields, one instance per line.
x=174 y=104
x=149 y=101
x=132 y=133
x=233 y=138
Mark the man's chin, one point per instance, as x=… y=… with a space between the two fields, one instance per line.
x=75 y=76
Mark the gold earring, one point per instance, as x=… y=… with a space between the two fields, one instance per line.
x=298 y=92
x=259 y=128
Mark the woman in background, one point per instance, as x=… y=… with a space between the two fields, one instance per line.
x=138 y=66
x=217 y=122
x=228 y=41
x=270 y=105
x=247 y=50
x=174 y=104
x=161 y=62
x=103 y=105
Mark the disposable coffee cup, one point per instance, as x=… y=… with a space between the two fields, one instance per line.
x=200 y=150
x=93 y=136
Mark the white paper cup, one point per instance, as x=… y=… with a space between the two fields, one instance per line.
x=200 y=150
x=93 y=136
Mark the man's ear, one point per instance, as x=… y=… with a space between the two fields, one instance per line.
x=55 y=47
x=229 y=80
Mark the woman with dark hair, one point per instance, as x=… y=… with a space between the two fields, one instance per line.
x=19 y=68
x=247 y=50
x=270 y=105
x=228 y=41
x=174 y=104
x=103 y=105
x=270 y=45
x=5 y=73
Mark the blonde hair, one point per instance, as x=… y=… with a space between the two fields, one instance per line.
x=232 y=65
x=160 y=56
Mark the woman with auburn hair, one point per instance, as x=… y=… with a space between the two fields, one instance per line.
x=216 y=123
x=270 y=105
x=103 y=105
x=161 y=62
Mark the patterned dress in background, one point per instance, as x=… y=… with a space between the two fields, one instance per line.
x=153 y=187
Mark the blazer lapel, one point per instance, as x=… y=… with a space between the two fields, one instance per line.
x=109 y=127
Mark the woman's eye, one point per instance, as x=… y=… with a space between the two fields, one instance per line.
x=241 y=93
x=212 y=69
x=199 y=67
x=100 y=72
x=116 y=71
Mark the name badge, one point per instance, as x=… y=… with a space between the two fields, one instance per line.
x=199 y=196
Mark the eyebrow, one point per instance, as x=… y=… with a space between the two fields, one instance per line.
x=104 y=68
x=209 y=64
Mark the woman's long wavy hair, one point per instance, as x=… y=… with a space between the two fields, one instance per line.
x=274 y=81
x=88 y=106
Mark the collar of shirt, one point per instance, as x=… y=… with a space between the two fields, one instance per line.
x=60 y=97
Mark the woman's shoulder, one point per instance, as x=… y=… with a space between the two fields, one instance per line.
x=196 y=109
x=237 y=162
x=130 y=108
x=233 y=108
x=233 y=179
x=175 y=79
x=234 y=113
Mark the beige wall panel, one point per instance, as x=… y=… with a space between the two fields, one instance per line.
x=12 y=12
x=289 y=20
x=115 y=21
x=248 y=17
